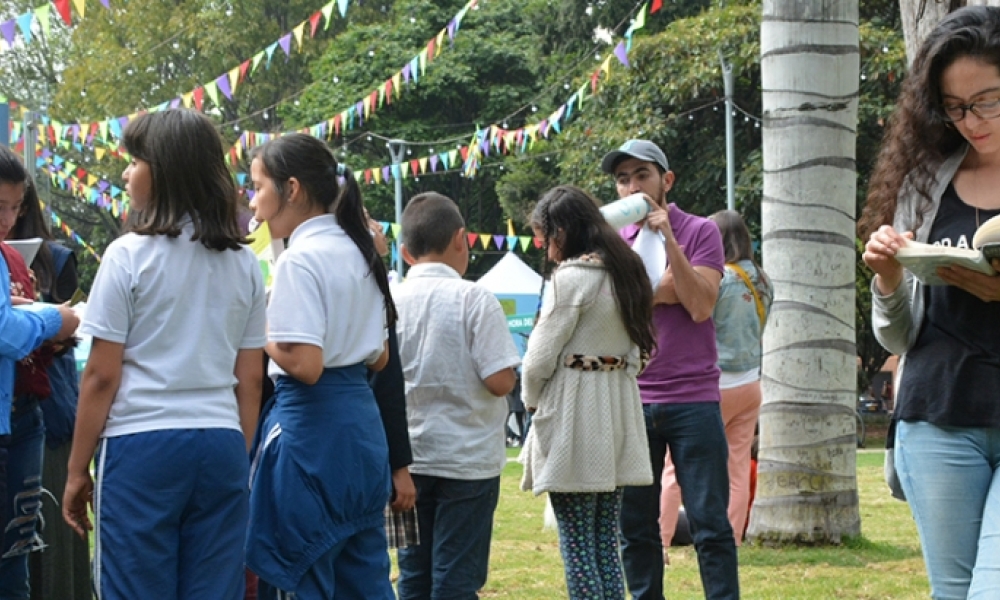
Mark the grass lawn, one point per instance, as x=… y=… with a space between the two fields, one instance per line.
x=884 y=563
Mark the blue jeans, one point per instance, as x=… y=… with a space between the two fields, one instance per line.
x=23 y=501
x=695 y=435
x=455 y=519
x=950 y=478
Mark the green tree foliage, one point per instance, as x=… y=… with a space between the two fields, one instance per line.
x=142 y=53
x=512 y=63
x=31 y=71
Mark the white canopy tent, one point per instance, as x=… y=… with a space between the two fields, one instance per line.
x=512 y=277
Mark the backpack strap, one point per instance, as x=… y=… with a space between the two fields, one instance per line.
x=60 y=254
x=756 y=297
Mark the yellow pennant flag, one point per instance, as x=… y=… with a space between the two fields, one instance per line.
x=187 y=98
x=84 y=129
x=234 y=79
x=91 y=180
x=81 y=6
x=510 y=228
x=484 y=239
x=606 y=66
x=396 y=80
x=423 y=165
x=298 y=33
x=377 y=175
x=439 y=42
x=100 y=152
x=260 y=239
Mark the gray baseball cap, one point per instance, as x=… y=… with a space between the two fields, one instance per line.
x=641 y=149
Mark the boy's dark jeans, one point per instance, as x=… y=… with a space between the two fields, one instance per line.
x=455 y=519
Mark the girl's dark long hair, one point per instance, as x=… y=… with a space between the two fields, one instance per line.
x=31 y=224
x=736 y=239
x=918 y=138
x=332 y=186
x=189 y=178
x=571 y=215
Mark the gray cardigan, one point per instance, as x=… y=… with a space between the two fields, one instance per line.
x=897 y=317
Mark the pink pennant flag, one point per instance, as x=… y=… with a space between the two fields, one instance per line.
x=314 y=22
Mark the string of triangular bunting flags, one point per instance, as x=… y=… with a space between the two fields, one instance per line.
x=97 y=191
x=110 y=129
x=24 y=24
x=498 y=139
x=68 y=231
x=358 y=112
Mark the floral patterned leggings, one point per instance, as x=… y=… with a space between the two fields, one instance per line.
x=588 y=541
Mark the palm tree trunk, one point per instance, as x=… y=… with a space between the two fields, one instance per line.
x=807 y=485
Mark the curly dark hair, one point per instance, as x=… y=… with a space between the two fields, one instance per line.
x=919 y=138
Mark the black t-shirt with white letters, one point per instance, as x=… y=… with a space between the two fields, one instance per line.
x=952 y=373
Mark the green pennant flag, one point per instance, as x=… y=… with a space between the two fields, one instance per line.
x=328 y=13
x=42 y=13
x=395 y=230
x=525 y=242
x=640 y=21
x=212 y=89
x=256 y=61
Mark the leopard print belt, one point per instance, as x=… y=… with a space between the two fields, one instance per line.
x=589 y=362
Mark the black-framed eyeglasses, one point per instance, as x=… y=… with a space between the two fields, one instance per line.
x=984 y=109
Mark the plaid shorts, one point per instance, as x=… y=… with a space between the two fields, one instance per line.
x=401 y=527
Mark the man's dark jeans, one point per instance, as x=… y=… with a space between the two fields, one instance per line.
x=696 y=438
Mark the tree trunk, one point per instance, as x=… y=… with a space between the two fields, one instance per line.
x=920 y=16
x=807 y=485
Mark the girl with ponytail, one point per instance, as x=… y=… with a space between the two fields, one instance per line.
x=320 y=447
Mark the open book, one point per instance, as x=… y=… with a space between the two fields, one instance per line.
x=923 y=260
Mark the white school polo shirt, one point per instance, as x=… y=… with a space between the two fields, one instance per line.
x=324 y=294
x=452 y=335
x=182 y=312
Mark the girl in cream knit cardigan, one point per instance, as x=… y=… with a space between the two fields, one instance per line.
x=588 y=437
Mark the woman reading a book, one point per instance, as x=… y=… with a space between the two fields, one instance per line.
x=936 y=181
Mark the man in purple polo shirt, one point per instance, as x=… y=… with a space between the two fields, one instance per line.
x=679 y=388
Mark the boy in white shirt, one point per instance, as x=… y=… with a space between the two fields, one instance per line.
x=458 y=361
